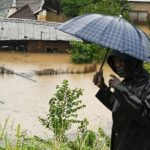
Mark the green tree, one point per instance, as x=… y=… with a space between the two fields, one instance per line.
x=110 y=7
x=86 y=53
x=74 y=8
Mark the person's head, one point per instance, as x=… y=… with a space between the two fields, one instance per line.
x=124 y=65
x=119 y=65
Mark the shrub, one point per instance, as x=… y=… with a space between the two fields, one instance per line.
x=86 y=53
x=63 y=111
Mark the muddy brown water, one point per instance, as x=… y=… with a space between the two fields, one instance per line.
x=23 y=100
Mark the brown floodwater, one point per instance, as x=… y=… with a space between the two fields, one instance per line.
x=24 y=101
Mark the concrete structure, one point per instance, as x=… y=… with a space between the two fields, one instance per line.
x=140 y=11
x=33 y=36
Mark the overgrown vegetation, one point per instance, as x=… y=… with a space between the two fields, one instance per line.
x=15 y=138
x=63 y=112
x=74 y=8
x=86 y=53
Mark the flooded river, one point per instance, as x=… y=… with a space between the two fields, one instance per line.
x=23 y=100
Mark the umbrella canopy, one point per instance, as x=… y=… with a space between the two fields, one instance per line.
x=112 y=32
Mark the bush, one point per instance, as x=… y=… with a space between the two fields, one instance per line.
x=63 y=111
x=86 y=53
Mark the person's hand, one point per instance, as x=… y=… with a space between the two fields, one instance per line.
x=98 y=79
x=114 y=82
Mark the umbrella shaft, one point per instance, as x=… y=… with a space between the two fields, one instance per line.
x=104 y=60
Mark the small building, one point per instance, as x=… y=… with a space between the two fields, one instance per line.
x=19 y=8
x=54 y=11
x=51 y=15
x=33 y=36
x=139 y=11
x=42 y=10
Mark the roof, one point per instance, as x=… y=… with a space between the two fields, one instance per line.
x=24 y=13
x=35 y=5
x=25 y=29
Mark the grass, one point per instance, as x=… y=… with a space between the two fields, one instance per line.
x=14 y=138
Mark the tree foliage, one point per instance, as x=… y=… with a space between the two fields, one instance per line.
x=74 y=8
x=86 y=53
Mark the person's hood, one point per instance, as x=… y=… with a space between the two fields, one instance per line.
x=132 y=65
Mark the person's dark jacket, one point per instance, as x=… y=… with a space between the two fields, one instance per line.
x=130 y=106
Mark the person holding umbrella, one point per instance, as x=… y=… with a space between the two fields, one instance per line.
x=129 y=103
